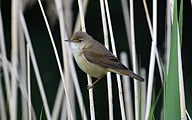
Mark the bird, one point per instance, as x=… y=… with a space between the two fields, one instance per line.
x=95 y=59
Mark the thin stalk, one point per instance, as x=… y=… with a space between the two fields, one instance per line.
x=152 y=61
x=64 y=49
x=82 y=18
x=77 y=86
x=22 y=63
x=91 y=101
x=127 y=89
x=106 y=41
x=143 y=93
x=188 y=115
x=58 y=102
x=14 y=58
x=92 y=109
x=33 y=59
x=151 y=33
x=127 y=23
x=57 y=58
x=136 y=83
x=3 y=51
x=64 y=109
x=78 y=21
x=3 y=115
x=115 y=53
x=68 y=15
x=18 y=78
x=29 y=81
x=73 y=97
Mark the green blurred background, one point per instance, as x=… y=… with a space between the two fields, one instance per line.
x=47 y=62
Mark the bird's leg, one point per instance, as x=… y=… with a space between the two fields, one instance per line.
x=90 y=86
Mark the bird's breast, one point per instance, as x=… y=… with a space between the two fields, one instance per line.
x=92 y=69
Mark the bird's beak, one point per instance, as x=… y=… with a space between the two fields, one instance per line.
x=69 y=40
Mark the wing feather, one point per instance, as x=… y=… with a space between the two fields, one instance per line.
x=98 y=54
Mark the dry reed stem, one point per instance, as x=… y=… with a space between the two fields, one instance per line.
x=134 y=60
x=3 y=52
x=76 y=83
x=143 y=93
x=115 y=53
x=58 y=60
x=188 y=115
x=29 y=82
x=19 y=79
x=33 y=59
x=127 y=89
x=5 y=72
x=63 y=34
x=106 y=41
x=64 y=110
x=127 y=23
x=58 y=102
x=78 y=21
x=2 y=104
x=68 y=15
x=14 y=58
x=77 y=87
x=151 y=33
x=152 y=61
x=81 y=12
x=92 y=109
x=22 y=63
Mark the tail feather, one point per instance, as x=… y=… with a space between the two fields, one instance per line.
x=128 y=73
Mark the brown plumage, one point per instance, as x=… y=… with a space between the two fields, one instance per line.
x=96 y=60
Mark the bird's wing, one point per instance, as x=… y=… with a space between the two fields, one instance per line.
x=102 y=57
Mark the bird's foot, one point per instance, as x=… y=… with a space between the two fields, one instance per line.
x=90 y=86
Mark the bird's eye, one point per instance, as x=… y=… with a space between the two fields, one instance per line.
x=80 y=40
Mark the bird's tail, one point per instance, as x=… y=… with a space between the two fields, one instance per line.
x=128 y=73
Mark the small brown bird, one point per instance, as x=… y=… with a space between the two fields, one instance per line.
x=96 y=60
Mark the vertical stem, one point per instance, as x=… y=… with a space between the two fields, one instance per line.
x=14 y=58
x=136 y=83
x=64 y=49
x=92 y=109
x=115 y=53
x=2 y=104
x=143 y=93
x=126 y=17
x=78 y=21
x=29 y=82
x=22 y=63
x=152 y=60
x=77 y=87
x=109 y=82
x=82 y=15
x=58 y=102
x=151 y=33
x=34 y=63
x=127 y=89
x=3 y=51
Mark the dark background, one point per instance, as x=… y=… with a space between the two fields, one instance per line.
x=47 y=62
